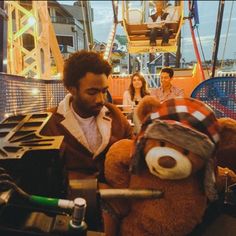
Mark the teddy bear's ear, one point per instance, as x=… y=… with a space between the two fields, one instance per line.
x=146 y=106
x=226 y=151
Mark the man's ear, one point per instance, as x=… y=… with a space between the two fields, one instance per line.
x=72 y=90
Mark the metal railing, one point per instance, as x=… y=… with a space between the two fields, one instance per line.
x=220 y=94
x=21 y=95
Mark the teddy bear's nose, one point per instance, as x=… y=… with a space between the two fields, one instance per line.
x=166 y=162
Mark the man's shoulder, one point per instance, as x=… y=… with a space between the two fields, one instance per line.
x=153 y=91
x=52 y=110
x=177 y=90
x=55 y=117
x=159 y=88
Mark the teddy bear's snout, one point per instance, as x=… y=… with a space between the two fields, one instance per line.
x=167 y=162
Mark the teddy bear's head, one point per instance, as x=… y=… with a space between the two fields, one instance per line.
x=177 y=139
x=170 y=161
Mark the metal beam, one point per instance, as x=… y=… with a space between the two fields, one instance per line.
x=31 y=41
x=217 y=35
x=3 y=38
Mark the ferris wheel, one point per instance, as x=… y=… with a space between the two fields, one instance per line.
x=138 y=19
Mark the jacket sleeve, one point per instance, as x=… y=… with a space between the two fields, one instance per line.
x=128 y=131
x=121 y=127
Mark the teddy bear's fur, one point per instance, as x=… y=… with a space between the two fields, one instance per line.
x=184 y=201
x=154 y=217
x=226 y=152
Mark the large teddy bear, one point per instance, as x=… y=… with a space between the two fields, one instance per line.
x=174 y=153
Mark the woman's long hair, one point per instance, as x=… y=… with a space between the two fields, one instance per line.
x=144 y=90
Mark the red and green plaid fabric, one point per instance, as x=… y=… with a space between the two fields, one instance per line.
x=190 y=112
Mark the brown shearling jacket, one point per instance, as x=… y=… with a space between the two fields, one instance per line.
x=80 y=162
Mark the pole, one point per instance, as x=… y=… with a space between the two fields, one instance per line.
x=3 y=38
x=195 y=46
x=178 y=53
x=166 y=59
x=217 y=35
x=85 y=25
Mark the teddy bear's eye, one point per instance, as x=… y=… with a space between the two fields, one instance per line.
x=162 y=144
x=185 y=152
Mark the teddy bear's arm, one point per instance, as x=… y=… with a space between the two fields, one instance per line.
x=117 y=176
x=117 y=164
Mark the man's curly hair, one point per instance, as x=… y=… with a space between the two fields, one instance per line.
x=81 y=62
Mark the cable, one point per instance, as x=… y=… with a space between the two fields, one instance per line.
x=7 y=185
x=5 y=177
x=226 y=39
x=2 y=171
x=203 y=55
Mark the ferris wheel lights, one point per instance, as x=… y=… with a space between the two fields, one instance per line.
x=35 y=91
x=31 y=20
x=4 y=61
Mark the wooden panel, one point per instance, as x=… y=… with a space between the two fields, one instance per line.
x=117 y=86
x=139 y=37
x=143 y=28
x=146 y=37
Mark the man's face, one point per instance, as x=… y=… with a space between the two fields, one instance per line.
x=165 y=79
x=90 y=95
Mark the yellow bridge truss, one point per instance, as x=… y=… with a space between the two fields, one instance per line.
x=29 y=21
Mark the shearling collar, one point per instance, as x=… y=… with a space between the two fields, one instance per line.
x=71 y=124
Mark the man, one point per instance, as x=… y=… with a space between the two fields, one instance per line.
x=89 y=124
x=158 y=22
x=160 y=28
x=167 y=90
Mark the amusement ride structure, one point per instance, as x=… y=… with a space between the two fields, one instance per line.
x=28 y=89
x=22 y=21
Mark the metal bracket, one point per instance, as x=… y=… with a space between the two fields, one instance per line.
x=21 y=133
